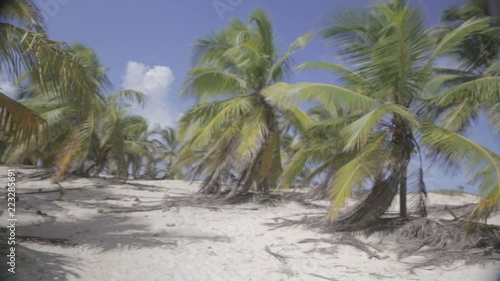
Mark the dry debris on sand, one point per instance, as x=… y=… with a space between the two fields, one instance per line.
x=144 y=230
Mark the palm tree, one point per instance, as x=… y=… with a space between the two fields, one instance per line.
x=25 y=51
x=122 y=140
x=460 y=94
x=72 y=131
x=383 y=122
x=164 y=153
x=233 y=121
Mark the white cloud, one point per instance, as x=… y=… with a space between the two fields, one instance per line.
x=155 y=83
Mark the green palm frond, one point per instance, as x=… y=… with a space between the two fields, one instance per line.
x=357 y=133
x=277 y=67
x=345 y=73
x=365 y=166
x=480 y=163
x=452 y=40
x=212 y=81
x=127 y=95
x=458 y=118
x=434 y=86
x=237 y=109
x=493 y=69
x=253 y=134
x=311 y=155
x=493 y=112
x=52 y=65
x=328 y=95
x=265 y=30
x=245 y=55
x=485 y=90
x=135 y=148
x=25 y=12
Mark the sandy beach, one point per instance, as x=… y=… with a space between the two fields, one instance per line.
x=104 y=236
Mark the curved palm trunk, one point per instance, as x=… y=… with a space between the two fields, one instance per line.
x=368 y=212
x=321 y=191
x=262 y=171
x=248 y=178
x=210 y=184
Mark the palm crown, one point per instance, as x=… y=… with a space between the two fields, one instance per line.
x=233 y=121
x=385 y=116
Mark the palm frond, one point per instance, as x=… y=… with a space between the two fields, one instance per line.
x=479 y=162
x=212 y=81
x=325 y=94
x=357 y=132
x=17 y=121
x=355 y=173
x=452 y=40
x=485 y=90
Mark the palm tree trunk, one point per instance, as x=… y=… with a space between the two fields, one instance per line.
x=403 y=213
x=407 y=143
x=321 y=191
x=248 y=181
x=210 y=184
x=367 y=213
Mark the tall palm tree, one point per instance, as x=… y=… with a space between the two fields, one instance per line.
x=233 y=121
x=26 y=50
x=391 y=61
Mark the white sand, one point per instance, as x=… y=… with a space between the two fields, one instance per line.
x=190 y=243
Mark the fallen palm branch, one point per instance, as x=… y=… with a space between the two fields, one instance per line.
x=444 y=242
x=440 y=242
x=353 y=242
x=135 y=210
x=45 y=241
x=38 y=175
x=279 y=257
x=323 y=277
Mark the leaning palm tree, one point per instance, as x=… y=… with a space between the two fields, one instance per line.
x=233 y=121
x=25 y=51
x=391 y=58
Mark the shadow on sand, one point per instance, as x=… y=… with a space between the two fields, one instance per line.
x=39 y=241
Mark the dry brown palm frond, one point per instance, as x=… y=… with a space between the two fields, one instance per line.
x=17 y=121
x=444 y=242
x=449 y=234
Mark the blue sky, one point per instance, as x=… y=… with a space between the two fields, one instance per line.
x=146 y=44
